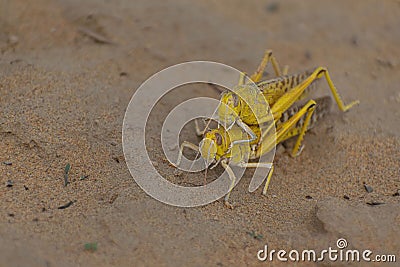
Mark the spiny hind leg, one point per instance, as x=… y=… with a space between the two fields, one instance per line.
x=270 y=166
x=268 y=57
x=289 y=98
x=338 y=99
x=321 y=109
x=232 y=177
x=288 y=129
x=283 y=131
x=298 y=147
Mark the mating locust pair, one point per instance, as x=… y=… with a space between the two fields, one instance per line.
x=240 y=138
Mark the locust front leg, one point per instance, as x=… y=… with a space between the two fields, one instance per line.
x=232 y=177
x=270 y=166
x=191 y=146
x=183 y=145
x=197 y=128
x=248 y=130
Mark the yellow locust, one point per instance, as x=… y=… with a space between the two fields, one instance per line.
x=241 y=138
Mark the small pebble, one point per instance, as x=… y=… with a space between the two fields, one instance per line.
x=9 y=183
x=307 y=54
x=346 y=197
x=113 y=143
x=272 y=7
x=368 y=188
x=13 y=39
x=354 y=40
x=83 y=177
x=8 y=163
x=113 y=198
x=309 y=197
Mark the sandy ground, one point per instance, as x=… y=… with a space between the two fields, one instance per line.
x=63 y=96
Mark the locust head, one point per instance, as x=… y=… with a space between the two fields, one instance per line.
x=209 y=146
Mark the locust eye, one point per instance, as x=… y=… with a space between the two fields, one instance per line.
x=219 y=139
x=235 y=100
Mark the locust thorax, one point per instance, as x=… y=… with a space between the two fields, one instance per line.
x=228 y=109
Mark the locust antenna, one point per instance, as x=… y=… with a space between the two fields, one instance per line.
x=205 y=175
x=207 y=162
x=207 y=125
x=225 y=126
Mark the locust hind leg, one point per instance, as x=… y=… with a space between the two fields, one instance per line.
x=338 y=99
x=298 y=147
x=289 y=98
x=285 y=129
x=268 y=57
x=282 y=133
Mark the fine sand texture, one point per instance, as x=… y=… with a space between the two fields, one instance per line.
x=68 y=70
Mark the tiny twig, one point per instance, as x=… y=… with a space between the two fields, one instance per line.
x=95 y=36
x=67 y=168
x=66 y=205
